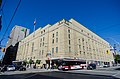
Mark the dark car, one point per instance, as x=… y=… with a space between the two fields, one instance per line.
x=91 y=66
x=22 y=68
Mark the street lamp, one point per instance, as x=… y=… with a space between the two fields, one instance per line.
x=50 y=54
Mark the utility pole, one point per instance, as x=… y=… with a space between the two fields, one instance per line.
x=114 y=47
x=34 y=27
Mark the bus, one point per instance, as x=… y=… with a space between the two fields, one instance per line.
x=71 y=64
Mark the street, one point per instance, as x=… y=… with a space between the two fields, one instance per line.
x=53 y=75
x=101 y=73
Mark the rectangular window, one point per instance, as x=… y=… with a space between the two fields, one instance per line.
x=40 y=51
x=52 y=50
x=83 y=47
x=69 y=36
x=82 y=39
x=53 y=35
x=43 y=43
x=56 y=40
x=32 y=46
x=53 y=41
x=68 y=30
x=56 y=33
x=79 y=46
x=84 y=53
x=56 y=49
x=34 y=57
x=43 y=38
x=69 y=42
x=81 y=30
x=69 y=49
x=80 y=52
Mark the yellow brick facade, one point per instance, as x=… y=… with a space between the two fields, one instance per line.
x=65 y=39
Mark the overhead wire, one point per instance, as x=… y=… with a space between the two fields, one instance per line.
x=3 y=5
x=108 y=27
x=10 y=21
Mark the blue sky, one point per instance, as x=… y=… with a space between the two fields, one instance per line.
x=100 y=16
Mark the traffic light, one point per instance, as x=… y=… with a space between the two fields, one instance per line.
x=108 y=51
x=3 y=49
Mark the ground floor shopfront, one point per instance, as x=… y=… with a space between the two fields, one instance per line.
x=56 y=61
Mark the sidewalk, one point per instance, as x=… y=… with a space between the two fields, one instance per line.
x=28 y=70
x=108 y=68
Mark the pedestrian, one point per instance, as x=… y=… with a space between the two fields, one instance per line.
x=52 y=65
x=34 y=66
x=44 y=66
x=47 y=66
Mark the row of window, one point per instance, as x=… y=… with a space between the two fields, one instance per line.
x=100 y=41
x=69 y=40
x=56 y=38
x=93 y=42
x=42 y=39
x=54 y=42
x=54 y=34
x=87 y=48
x=42 y=31
x=56 y=50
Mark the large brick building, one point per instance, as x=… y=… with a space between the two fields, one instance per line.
x=65 y=39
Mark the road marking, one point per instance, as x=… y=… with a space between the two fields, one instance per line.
x=30 y=76
x=117 y=75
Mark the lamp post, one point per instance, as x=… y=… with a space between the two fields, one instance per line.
x=50 y=54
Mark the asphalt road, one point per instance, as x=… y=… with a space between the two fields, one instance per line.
x=53 y=75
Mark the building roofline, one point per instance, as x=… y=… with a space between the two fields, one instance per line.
x=88 y=29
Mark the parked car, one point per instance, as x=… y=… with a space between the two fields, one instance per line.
x=22 y=68
x=10 y=68
x=91 y=66
x=106 y=66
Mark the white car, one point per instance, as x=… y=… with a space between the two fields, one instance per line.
x=105 y=65
x=11 y=68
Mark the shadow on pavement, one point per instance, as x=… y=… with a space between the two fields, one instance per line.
x=28 y=76
x=117 y=69
x=54 y=75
